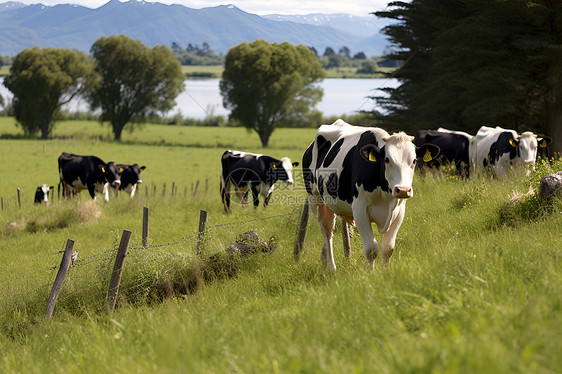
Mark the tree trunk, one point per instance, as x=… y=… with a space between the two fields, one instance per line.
x=117 y=130
x=264 y=137
x=554 y=125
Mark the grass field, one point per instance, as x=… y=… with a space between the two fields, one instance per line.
x=474 y=286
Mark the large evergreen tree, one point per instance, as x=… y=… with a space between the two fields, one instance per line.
x=469 y=63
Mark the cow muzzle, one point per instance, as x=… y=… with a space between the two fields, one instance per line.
x=116 y=183
x=402 y=192
x=289 y=182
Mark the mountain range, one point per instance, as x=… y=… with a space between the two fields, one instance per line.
x=222 y=27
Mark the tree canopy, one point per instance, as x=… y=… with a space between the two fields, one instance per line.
x=42 y=80
x=132 y=80
x=266 y=84
x=468 y=63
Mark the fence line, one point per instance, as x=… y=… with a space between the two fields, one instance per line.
x=96 y=258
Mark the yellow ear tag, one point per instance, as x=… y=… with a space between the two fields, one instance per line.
x=427 y=156
x=103 y=170
x=512 y=143
x=274 y=166
x=542 y=144
x=372 y=157
x=120 y=170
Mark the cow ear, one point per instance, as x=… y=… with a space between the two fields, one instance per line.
x=38 y=189
x=295 y=164
x=143 y=167
x=544 y=142
x=371 y=153
x=428 y=152
x=513 y=142
x=51 y=187
x=120 y=170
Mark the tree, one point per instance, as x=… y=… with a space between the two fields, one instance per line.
x=473 y=62
x=42 y=81
x=263 y=84
x=132 y=80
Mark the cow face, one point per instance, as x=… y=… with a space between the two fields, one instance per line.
x=527 y=148
x=111 y=173
x=283 y=170
x=399 y=155
x=42 y=194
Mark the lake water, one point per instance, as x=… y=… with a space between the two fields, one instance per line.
x=202 y=97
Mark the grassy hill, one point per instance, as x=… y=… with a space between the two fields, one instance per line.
x=474 y=285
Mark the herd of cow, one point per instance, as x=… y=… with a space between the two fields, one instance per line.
x=361 y=174
x=90 y=173
x=364 y=175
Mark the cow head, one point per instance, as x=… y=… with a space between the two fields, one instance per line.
x=111 y=173
x=133 y=172
x=399 y=157
x=283 y=170
x=42 y=194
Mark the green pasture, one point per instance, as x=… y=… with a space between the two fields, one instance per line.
x=474 y=285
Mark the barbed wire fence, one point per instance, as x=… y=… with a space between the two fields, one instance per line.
x=82 y=281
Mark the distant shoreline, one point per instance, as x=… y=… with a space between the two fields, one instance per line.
x=207 y=72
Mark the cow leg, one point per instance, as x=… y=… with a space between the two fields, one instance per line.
x=255 y=196
x=225 y=194
x=363 y=224
x=389 y=237
x=327 y=220
x=92 y=190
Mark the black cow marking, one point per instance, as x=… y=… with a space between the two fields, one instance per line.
x=505 y=143
x=307 y=174
x=322 y=146
x=332 y=153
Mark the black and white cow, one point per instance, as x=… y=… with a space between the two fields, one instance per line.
x=504 y=150
x=42 y=194
x=255 y=172
x=363 y=175
x=454 y=147
x=129 y=175
x=90 y=173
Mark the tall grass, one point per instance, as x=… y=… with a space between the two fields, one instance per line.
x=474 y=285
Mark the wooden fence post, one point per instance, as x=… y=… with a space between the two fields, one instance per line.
x=115 y=280
x=2 y=203
x=206 y=184
x=195 y=190
x=345 y=236
x=164 y=190
x=19 y=199
x=63 y=269
x=201 y=235
x=301 y=231
x=144 y=226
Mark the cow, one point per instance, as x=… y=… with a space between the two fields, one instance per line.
x=363 y=175
x=79 y=173
x=255 y=172
x=129 y=175
x=42 y=194
x=454 y=147
x=502 y=150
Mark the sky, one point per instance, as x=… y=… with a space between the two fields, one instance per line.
x=261 y=7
